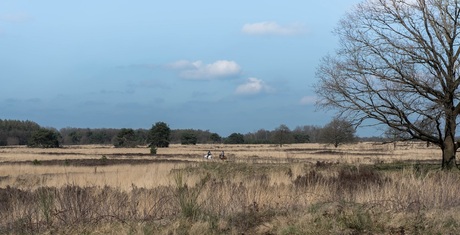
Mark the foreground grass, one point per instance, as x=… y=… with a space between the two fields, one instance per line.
x=236 y=198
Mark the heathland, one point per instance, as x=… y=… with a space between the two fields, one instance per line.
x=365 y=188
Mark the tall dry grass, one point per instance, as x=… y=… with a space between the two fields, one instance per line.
x=249 y=198
x=352 y=153
x=254 y=193
x=123 y=177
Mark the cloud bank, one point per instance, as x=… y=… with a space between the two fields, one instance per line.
x=273 y=28
x=253 y=86
x=200 y=71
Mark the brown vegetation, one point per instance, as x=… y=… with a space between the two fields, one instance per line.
x=260 y=190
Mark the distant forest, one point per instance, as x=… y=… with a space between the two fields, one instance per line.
x=16 y=132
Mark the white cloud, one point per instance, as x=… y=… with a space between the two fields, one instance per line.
x=253 y=86
x=273 y=28
x=199 y=70
x=307 y=100
x=183 y=64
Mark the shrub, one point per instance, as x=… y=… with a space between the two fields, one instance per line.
x=350 y=181
x=153 y=150
x=311 y=178
x=104 y=160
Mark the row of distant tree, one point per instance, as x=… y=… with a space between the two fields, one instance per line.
x=15 y=132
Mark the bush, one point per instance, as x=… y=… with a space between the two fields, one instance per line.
x=354 y=178
x=104 y=160
x=153 y=150
x=311 y=178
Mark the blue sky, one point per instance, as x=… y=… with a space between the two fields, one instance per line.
x=223 y=66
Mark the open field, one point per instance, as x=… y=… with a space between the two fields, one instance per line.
x=29 y=168
x=364 y=188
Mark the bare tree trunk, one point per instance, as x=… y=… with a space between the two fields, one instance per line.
x=449 y=148
x=448 y=156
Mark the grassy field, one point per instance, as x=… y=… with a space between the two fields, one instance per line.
x=365 y=188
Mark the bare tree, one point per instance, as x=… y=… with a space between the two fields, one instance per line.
x=338 y=131
x=282 y=135
x=398 y=64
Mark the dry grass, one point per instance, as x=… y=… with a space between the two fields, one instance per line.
x=362 y=152
x=262 y=189
x=29 y=176
x=120 y=176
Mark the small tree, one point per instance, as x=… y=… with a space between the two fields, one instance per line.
x=394 y=135
x=235 y=138
x=282 y=135
x=188 y=138
x=44 y=138
x=159 y=135
x=300 y=138
x=126 y=138
x=215 y=138
x=337 y=132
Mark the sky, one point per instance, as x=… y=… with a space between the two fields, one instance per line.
x=223 y=66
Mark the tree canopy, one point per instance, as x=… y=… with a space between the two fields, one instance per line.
x=188 y=138
x=16 y=132
x=398 y=64
x=235 y=138
x=44 y=138
x=337 y=132
x=159 y=135
x=282 y=135
x=126 y=138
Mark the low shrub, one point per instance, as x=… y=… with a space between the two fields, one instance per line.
x=350 y=179
x=313 y=177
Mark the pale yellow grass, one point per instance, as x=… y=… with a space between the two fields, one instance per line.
x=22 y=153
x=235 y=194
x=361 y=152
x=123 y=177
x=157 y=174
x=351 y=153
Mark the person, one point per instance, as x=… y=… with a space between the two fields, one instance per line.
x=222 y=155
x=208 y=156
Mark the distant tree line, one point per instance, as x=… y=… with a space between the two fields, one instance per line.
x=15 y=132
x=338 y=131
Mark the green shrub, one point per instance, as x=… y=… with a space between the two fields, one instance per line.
x=153 y=150
x=104 y=160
